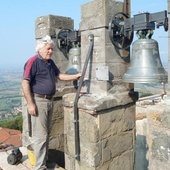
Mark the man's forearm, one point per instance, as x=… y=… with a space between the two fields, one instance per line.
x=26 y=90
x=69 y=76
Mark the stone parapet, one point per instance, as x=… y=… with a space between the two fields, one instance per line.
x=158 y=126
x=152 y=135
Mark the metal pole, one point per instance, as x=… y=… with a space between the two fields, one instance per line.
x=29 y=125
x=76 y=115
x=126 y=7
x=168 y=3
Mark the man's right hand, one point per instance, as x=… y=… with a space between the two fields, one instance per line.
x=32 y=110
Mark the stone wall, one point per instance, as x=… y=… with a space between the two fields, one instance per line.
x=152 y=136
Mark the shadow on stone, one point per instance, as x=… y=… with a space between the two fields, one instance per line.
x=141 y=161
x=57 y=157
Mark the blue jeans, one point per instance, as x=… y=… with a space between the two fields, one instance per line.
x=41 y=127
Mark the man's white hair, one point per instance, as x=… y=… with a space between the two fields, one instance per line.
x=41 y=42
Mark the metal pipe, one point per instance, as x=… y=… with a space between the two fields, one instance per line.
x=127 y=7
x=76 y=115
x=29 y=125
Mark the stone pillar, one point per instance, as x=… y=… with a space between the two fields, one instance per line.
x=107 y=132
x=107 y=108
x=96 y=16
x=51 y=25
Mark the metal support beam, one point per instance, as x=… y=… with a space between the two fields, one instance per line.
x=126 y=7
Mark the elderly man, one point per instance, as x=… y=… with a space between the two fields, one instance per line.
x=39 y=86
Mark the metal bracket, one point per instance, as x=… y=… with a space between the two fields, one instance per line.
x=121 y=27
x=66 y=39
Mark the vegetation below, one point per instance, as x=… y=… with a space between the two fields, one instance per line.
x=10 y=99
x=13 y=123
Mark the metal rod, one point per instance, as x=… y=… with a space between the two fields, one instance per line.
x=76 y=115
x=126 y=7
x=29 y=125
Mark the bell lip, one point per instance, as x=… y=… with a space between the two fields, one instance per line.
x=147 y=81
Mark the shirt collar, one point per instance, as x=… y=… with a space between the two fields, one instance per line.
x=40 y=57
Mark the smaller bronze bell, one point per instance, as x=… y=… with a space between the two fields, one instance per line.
x=74 y=65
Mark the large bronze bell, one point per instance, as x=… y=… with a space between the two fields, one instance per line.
x=145 y=66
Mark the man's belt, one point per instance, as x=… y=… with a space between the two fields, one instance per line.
x=43 y=96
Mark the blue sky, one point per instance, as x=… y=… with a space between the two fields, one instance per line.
x=17 y=28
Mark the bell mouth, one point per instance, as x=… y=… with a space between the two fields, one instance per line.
x=152 y=79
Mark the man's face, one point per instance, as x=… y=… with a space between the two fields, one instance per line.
x=46 y=51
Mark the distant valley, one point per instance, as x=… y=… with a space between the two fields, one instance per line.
x=10 y=93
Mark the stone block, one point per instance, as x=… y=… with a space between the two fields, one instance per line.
x=57 y=128
x=91 y=154
x=69 y=162
x=83 y=167
x=111 y=123
x=98 y=13
x=118 y=144
x=116 y=70
x=116 y=56
x=115 y=122
x=47 y=25
x=69 y=120
x=57 y=142
x=108 y=56
x=69 y=145
x=129 y=119
x=124 y=162
x=89 y=127
x=58 y=110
